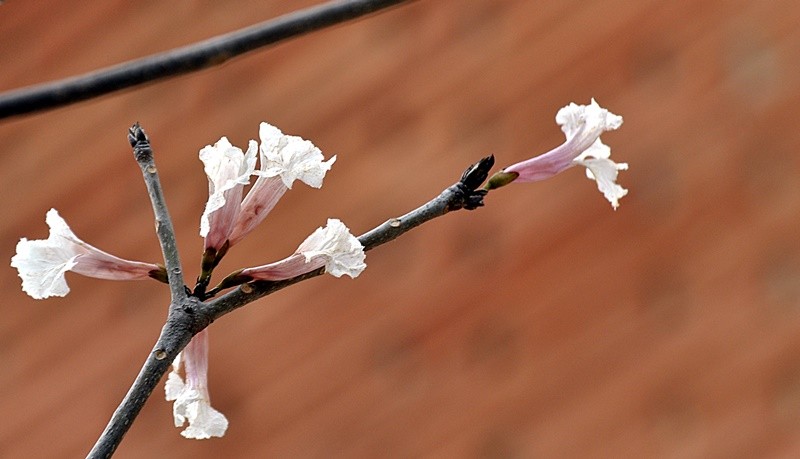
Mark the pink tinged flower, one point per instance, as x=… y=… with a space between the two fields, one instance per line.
x=43 y=263
x=228 y=170
x=192 y=402
x=582 y=125
x=333 y=247
x=284 y=159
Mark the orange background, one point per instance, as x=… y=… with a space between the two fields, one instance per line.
x=543 y=325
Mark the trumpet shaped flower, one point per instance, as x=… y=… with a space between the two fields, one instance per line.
x=42 y=264
x=283 y=159
x=192 y=401
x=228 y=170
x=582 y=125
x=332 y=246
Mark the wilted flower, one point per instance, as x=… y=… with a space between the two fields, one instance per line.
x=284 y=159
x=228 y=170
x=43 y=263
x=192 y=401
x=333 y=247
x=582 y=125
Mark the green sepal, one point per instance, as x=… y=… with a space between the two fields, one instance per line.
x=500 y=179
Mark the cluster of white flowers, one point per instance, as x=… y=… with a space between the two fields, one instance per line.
x=283 y=159
x=229 y=217
x=42 y=264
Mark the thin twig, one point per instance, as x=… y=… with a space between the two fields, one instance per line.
x=182 y=322
x=143 y=153
x=188 y=59
x=448 y=200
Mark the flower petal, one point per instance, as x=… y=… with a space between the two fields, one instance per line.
x=604 y=171
x=43 y=263
x=192 y=403
x=585 y=123
x=204 y=421
x=582 y=125
x=41 y=266
x=174 y=385
x=341 y=251
x=284 y=159
x=333 y=247
x=228 y=170
x=291 y=157
x=258 y=203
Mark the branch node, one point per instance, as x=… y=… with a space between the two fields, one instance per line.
x=471 y=179
x=141 y=145
x=476 y=173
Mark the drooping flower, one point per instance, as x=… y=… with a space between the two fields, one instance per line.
x=192 y=401
x=228 y=170
x=582 y=125
x=332 y=246
x=284 y=159
x=43 y=263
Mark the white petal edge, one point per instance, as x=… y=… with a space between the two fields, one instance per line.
x=291 y=157
x=342 y=252
x=226 y=167
x=191 y=406
x=604 y=171
x=42 y=267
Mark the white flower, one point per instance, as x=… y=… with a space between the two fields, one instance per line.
x=291 y=157
x=333 y=247
x=43 y=263
x=284 y=159
x=228 y=170
x=192 y=401
x=582 y=125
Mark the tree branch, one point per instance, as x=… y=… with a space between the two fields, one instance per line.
x=461 y=195
x=166 y=233
x=182 y=322
x=188 y=59
x=175 y=335
x=188 y=316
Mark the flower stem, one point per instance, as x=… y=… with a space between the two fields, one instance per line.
x=166 y=234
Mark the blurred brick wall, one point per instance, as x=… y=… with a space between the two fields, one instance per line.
x=544 y=325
